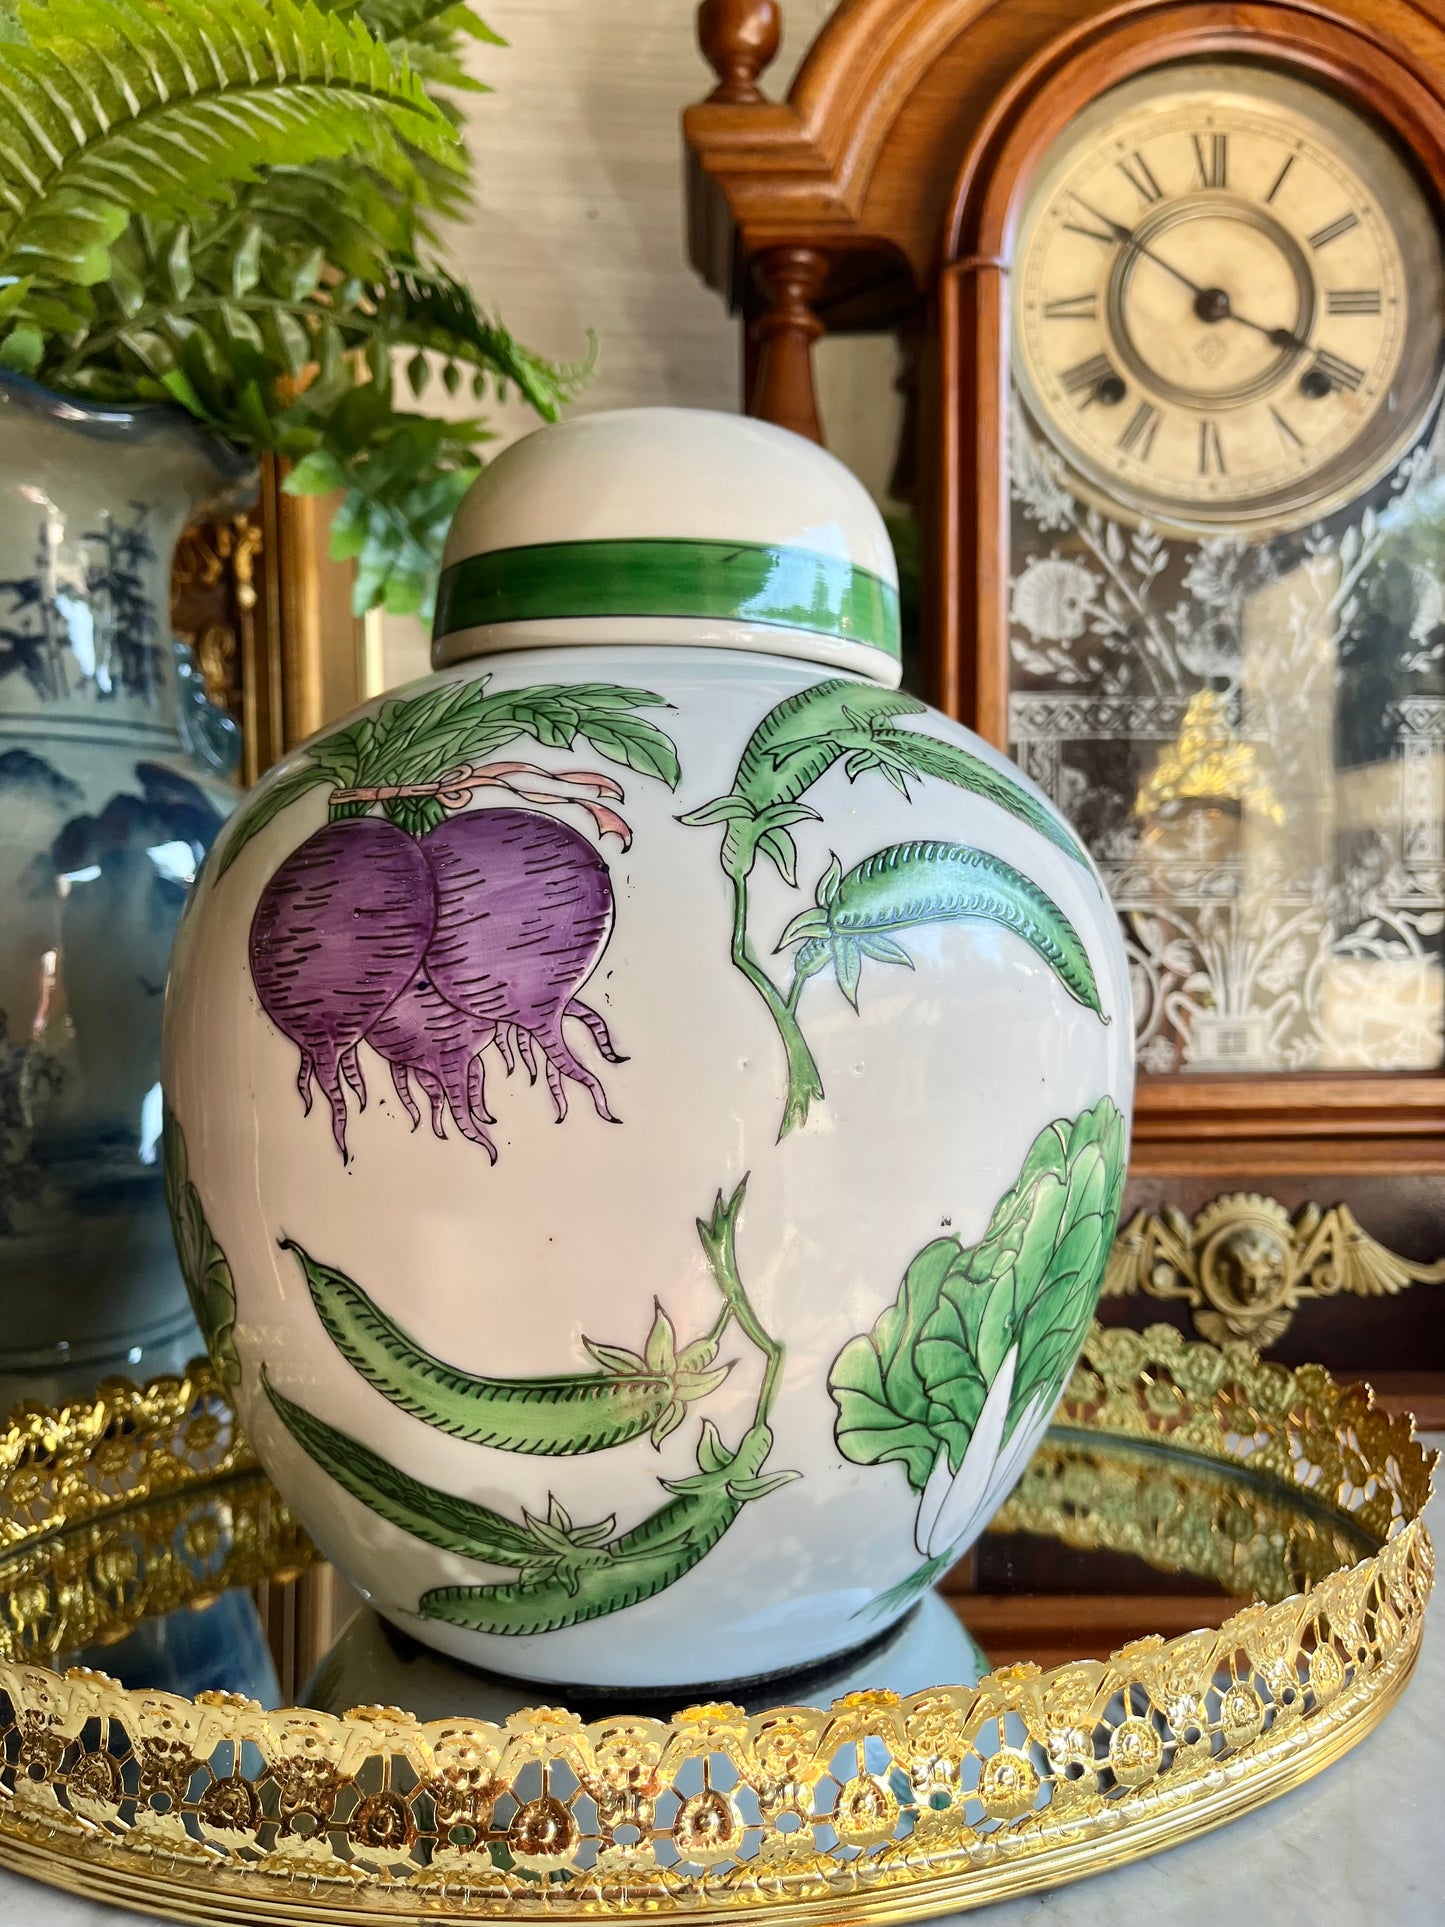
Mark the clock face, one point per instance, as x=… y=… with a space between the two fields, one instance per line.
x=1227 y=299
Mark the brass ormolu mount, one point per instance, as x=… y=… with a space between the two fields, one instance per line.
x=1244 y=1266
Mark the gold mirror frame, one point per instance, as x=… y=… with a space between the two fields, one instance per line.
x=218 y=1809
x=268 y=616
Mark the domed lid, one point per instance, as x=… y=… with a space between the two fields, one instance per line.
x=671 y=525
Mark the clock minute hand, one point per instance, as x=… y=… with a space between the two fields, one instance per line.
x=1131 y=240
x=1210 y=304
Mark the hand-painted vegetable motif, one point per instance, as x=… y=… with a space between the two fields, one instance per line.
x=209 y=1285
x=630 y=1394
x=565 y=1573
x=959 y=1373
x=910 y=884
x=433 y=936
x=795 y=744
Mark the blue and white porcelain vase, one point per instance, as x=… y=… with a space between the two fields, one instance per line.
x=112 y=785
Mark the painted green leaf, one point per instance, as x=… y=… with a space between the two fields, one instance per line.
x=918 y=1381
x=910 y=885
x=263 y=808
x=1033 y=1279
x=883 y=1403
x=415 y=739
x=209 y=1284
x=951 y=763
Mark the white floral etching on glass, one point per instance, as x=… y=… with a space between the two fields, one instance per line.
x=1251 y=737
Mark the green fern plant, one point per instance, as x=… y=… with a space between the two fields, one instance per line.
x=231 y=207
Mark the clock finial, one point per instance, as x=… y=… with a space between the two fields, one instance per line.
x=739 y=39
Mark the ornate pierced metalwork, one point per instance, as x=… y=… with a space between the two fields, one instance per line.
x=1243 y=1266
x=217 y=1808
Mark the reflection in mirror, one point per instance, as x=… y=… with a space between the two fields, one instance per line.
x=1100 y=1543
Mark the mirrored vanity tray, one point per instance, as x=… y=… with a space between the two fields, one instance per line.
x=143 y=1559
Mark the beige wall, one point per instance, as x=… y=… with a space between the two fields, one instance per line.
x=580 y=222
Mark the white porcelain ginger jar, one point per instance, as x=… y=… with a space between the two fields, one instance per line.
x=648 y=1104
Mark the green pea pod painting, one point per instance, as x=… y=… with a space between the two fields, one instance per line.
x=566 y=1574
x=905 y=886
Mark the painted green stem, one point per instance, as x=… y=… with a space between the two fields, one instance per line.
x=718 y=1236
x=804 y=1081
x=797 y=743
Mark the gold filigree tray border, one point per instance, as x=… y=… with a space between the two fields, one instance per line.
x=889 y=1808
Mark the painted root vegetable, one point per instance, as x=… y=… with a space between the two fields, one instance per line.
x=910 y=885
x=957 y=1376
x=565 y=1573
x=338 y=934
x=424 y=1036
x=797 y=743
x=524 y=910
x=433 y=937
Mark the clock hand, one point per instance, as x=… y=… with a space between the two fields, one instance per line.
x=1131 y=240
x=1210 y=304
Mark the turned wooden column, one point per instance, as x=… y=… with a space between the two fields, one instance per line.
x=783 y=392
x=738 y=39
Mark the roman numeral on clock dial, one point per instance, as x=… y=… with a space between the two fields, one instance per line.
x=1072 y=307
x=1211 y=449
x=1140 y=176
x=1286 y=434
x=1137 y=436
x=1353 y=300
x=1084 y=377
x=1339 y=372
x=1280 y=179
x=1332 y=231
x=1211 y=159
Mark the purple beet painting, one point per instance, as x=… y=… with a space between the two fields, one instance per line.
x=434 y=932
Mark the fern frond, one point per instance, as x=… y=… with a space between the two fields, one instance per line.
x=432 y=311
x=126 y=107
x=433 y=22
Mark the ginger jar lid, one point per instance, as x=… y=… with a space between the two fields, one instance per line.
x=671 y=525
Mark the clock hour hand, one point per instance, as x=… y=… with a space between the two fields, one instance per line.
x=1210 y=304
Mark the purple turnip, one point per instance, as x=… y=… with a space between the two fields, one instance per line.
x=524 y=911
x=338 y=934
x=422 y=1034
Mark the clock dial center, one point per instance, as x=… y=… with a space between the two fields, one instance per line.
x=1211 y=302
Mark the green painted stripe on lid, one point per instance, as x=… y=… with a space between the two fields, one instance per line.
x=785 y=588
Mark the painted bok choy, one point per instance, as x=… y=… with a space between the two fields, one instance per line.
x=857 y=725
x=957 y=1379
x=565 y=1573
x=430 y=931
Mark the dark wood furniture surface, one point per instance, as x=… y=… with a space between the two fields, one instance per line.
x=882 y=195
